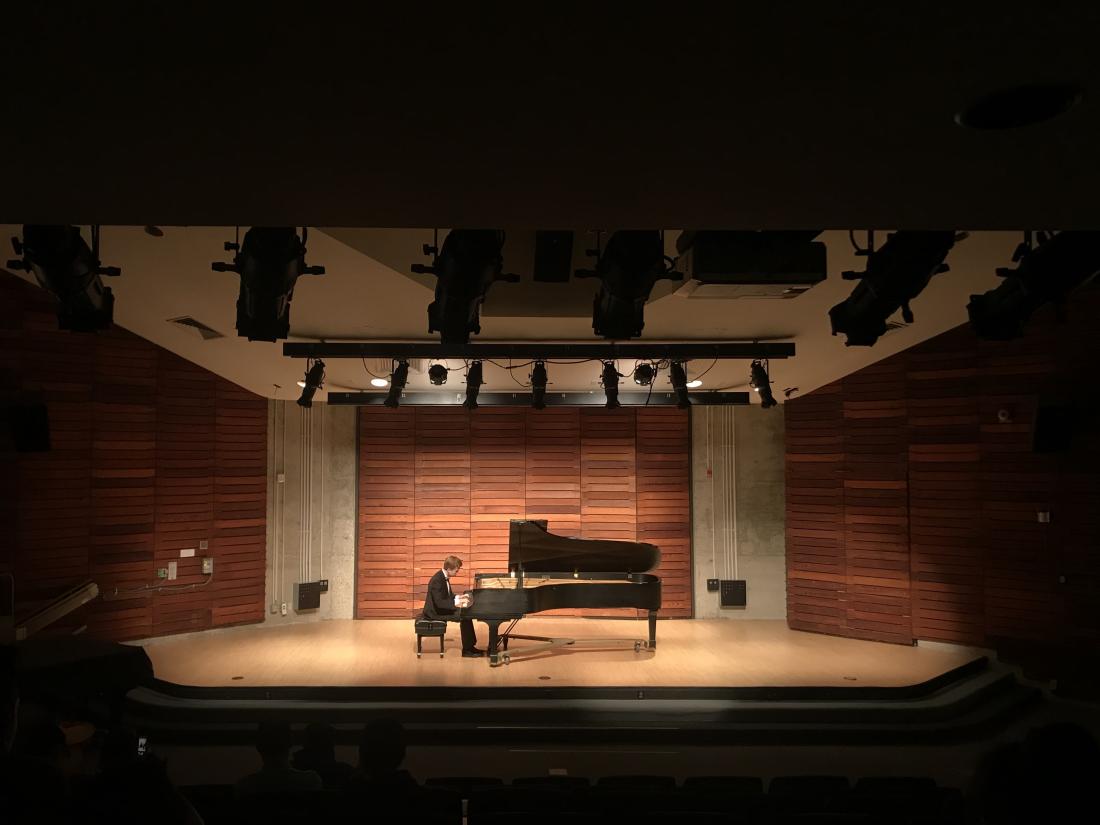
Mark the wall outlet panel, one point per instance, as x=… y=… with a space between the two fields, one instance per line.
x=734 y=593
x=204 y=544
x=172 y=570
x=712 y=585
x=207 y=566
x=187 y=553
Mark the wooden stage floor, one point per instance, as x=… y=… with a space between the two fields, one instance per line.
x=690 y=653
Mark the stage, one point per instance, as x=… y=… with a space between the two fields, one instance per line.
x=691 y=653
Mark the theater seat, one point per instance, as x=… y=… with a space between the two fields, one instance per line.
x=807 y=794
x=463 y=785
x=637 y=781
x=736 y=785
x=552 y=781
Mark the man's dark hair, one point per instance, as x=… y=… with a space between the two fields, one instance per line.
x=382 y=746
x=273 y=740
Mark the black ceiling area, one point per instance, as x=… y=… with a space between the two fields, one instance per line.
x=788 y=115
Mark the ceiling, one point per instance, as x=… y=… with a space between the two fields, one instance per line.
x=762 y=116
x=359 y=298
x=789 y=115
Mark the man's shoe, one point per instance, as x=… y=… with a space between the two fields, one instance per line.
x=473 y=653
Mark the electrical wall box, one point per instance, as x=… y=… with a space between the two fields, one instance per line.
x=712 y=585
x=207 y=566
x=187 y=553
x=172 y=569
x=280 y=478
x=204 y=544
x=307 y=595
x=324 y=585
x=162 y=572
x=734 y=593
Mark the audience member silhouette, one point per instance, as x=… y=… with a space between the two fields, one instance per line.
x=131 y=789
x=32 y=788
x=276 y=775
x=381 y=752
x=318 y=753
x=1048 y=777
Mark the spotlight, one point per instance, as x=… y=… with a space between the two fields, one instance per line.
x=469 y=263
x=314 y=380
x=610 y=380
x=538 y=385
x=63 y=264
x=269 y=263
x=761 y=383
x=896 y=274
x=437 y=374
x=379 y=382
x=695 y=383
x=627 y=268
x=398 y=378
x=473 y=385
x=643 y=374
x=1046 y=272
x=678 y=377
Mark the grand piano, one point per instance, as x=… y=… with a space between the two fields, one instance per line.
x=548 y=572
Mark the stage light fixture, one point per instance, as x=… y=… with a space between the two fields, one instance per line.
x=644 y=374
x=1047 y=271
x=64 y=265
x=473 y=385
x=677 y=375
x=269 y=262
x=895 y=275
x=313 y=381
x=470 y=262
x=538 y=385
x=609 y=379
x=437 y=374
x=398 y=379
x=761 y=384
x=628 y=267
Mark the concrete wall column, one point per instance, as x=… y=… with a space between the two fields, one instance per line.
x=311 y=508
x=739 y=508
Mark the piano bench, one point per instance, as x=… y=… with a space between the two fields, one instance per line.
x=430 y=627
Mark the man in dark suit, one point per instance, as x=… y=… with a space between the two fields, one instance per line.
x=441 y=603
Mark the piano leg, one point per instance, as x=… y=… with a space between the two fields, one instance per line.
x=494 y=642
x=652 y=629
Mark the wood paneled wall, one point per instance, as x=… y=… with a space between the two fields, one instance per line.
x=912 y=507
x=150 y=454
x=440 y=480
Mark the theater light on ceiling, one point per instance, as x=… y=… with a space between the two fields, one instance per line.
x=66 y=266
x=314 y=379
x=398 y=379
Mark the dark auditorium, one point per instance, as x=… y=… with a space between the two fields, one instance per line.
x=485 y=413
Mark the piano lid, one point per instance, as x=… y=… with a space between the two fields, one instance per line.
x=534 y=549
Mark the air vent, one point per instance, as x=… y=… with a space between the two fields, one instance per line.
x=204 y=332
x=382 y=366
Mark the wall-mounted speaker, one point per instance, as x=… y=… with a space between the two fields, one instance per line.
x=734 y=593
x=30 y=427
x=1053 y=428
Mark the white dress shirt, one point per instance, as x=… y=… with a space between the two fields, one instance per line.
x=447 y=579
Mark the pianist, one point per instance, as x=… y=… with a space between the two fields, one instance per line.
x=442 y=603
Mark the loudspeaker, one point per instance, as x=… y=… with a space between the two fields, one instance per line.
x=1053 y=428
x=30 y=428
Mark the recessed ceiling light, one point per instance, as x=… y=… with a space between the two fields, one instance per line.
x=379 y=382
x=1019 y=106
x=693 y=384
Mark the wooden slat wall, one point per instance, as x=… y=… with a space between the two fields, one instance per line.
x=434 y=481
x=940 y=536
x=150 y=454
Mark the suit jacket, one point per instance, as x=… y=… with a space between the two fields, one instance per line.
x=439 y=603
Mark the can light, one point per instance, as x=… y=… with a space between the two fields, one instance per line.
x=693 y=384
x=379 y=382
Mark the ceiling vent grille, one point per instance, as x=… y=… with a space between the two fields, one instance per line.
x=198 y=327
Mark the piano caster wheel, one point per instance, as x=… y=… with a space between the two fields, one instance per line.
x=637 y=646
x=506 y=659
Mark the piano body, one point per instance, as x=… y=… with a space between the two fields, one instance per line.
x=548 y=572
